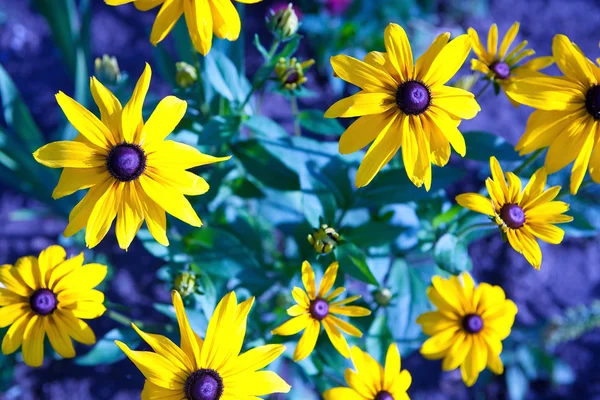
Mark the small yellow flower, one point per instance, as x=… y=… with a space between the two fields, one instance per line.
x=209 y=369
x=203 y=18
x=133 y=173
x=404 y=104
x=290 y=73
x=49 y=295
x=468 y=326
x=371 y=381
x=524 y=215
x=324 y=239
x=567 y=116
x=501 y=67
x=315 y=308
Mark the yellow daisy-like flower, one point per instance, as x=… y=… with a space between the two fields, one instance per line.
x=314 y=308
x=372 y=382
x=49 y=295
x=209 y=369
x=468 y=326
x=524 y=215
x=568 y=110
x=133 y=173
x=203 y=18
x=500 y=65
x=403 y=104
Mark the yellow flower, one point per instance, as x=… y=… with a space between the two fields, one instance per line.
x=468 y=326
x=403 y=104
x=209 y=369
x=524 y=215
x=49 y=295
x=501 y=67
x=316 y=308
x=568 y=110
x=203 y=18
x=290 y=72
x=372 y=382
x=132 y=172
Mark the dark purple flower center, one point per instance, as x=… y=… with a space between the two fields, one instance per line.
x=383 y=395
x=472 y=323
x=319 y=309
x=43 y=302
x=512 y=215
x=501 y=69
x=292 y=76
x=126 y=162
x=204 y=384
x=592 y=101
x=413 y=97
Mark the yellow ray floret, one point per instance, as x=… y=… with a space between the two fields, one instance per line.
x=523 y=215
x=203 y=18
x=404 y=104
x=132 y=172
x=370 y=381
x=568 y=110
x=49 y=296
x=212 y=368
x=317 y=307
x=468 y=325
x=502 y=66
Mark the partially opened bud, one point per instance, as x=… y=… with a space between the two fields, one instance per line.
x=107 y=70
x=186 y=75
x=283 y=23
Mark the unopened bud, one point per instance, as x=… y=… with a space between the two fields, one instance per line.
x=383 y=296
x=107 y=70
x=284 y=23
x=324 y=239
x=185 y=283
x=186 y=75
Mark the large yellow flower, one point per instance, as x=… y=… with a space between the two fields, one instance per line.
x=372 y=382
x=524 y=215
x=403 y=104
x=133 y=173
x=317 y=307
x=468 y=326
x=49 y=295
x=209 y=369
x=501 y=67
x=203 y=18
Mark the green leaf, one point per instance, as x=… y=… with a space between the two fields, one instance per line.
x=246 y=189
x=265 y=127
x=393 y=186
x=290 y=48
x=224 y=76
x=318 y=200
x=314 y=121
x=265 y=167
x=562 y=373
x=373 y=233
x=483 y=145
x=353 y=261
x=106 y=351
x=260 y=47
x=451 y=254
x=219 y=130
x=517 y=383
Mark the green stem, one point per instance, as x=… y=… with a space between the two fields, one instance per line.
x=527 y=162
x=483 y=89
x=118 y=317
x=268 y=59
x=295 y=113
x=474 y=228
x=198 y=65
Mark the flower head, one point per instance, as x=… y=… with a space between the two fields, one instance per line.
x=209 y=369
x=524 y=215
x=107 y=69
x=324 y=239
x=290 y=72
x=186 y=75
x=314 y=308
x=468 y=326
x=371 y=381
x=203 y=18
x=500 y=65
x=567 y=115
x=133 y=173
x=49 y=295
x=283 y=21
x=403 y=104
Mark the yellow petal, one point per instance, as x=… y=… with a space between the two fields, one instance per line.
x=434 y=322
x=166 y=18
x=478 y=47
x=63 y=269
x=78 y=330
x=33 y=342
x=548 y=93
x=362 y=74
x=74 y=179
x=546 y=232
x=12 y=312
x=155 y=216
x=260 y=383
x=308 y=279
x=336 y=337
x=200 y=24
x=362 y=132
x=535 y=64
x=582 y=161
x=70 y=296
x=569 y=144
x=458 y=351
x=29 y=271
x=544 y=126
x=59 y=337
x=307 y=342
x=180 y=156
x=367 y=387
x=426 y=59
x=351 y=311
x=450 y=129
x=110 y=108
x=342 y=393
x=301 y=297
x=293 y=326
x=13 y=338
x=187 y=182
x=88 y=310
x=79 y=216
x=226 y=20
x=253 y=360
x=85 y=122
x=455 y=101
x=190 y=344
x=163 y=346
x=508 y=39
x=130 y=216
x=7 y=297
x=103 y=214
x=132 y=113
x=162 y=122
x=345 y=327
x=392 y=366
x=571 y=61
x=67 y=154
x=219 y=333
x=492 y=44
x=328 y=279
x=86 y=277
x=144 y=5
x=361 y=103
x=448 y=61
x=155 y=392
x=476 y=202
x=399 y=51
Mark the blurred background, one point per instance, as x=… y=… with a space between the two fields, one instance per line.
x=34 y=57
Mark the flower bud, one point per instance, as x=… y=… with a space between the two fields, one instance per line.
x=290 y=72
x=185 y=284
x=324 y=239
x=383 y=296
x=283 y=23
x=186 y=75
x=107 y=70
